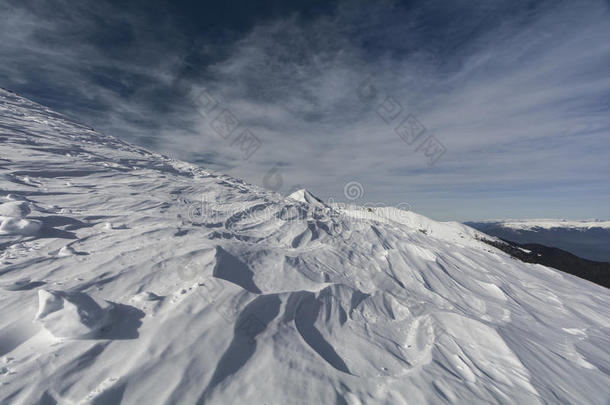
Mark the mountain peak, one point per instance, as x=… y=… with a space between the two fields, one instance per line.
x=303 y=195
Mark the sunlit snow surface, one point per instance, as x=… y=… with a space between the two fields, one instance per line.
x=128 y=277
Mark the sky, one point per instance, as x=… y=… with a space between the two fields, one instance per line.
x=461 y=110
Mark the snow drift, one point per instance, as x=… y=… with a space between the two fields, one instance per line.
x=140 y=279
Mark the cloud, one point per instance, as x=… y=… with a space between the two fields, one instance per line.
x=522 y=106
x=516 y=91
x=87 y=59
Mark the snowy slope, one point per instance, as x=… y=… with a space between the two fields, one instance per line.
x=127 y=277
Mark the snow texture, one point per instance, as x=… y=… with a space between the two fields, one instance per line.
x=128 y=277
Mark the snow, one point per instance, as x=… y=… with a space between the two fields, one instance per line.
x=155 y=281
x=70 y=315
x=13 y=222
x=15 y=209
x=306 y=197
x=19 y=226
x=66 y=251
x=529 y=224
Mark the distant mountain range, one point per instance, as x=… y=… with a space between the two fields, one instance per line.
x=586 y=239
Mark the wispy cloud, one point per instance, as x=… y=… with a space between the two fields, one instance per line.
x=518 y=92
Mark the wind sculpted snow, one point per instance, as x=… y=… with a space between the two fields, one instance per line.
x=128 y=277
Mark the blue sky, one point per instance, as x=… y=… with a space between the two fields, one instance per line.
x=517 y=94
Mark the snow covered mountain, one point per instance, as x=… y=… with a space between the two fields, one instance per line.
x=529 y=224
x=586 y=239
x=127 y=277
